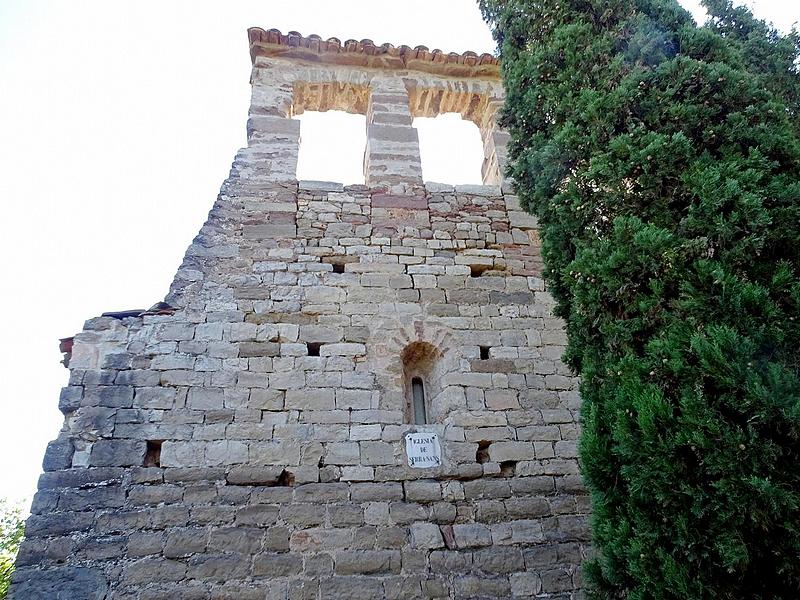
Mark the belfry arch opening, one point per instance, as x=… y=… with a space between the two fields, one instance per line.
x=422 y=366
x=333 y=129
x=332 y=146
x=451 y=149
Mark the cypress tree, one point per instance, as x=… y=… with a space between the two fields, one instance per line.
x=663 y=162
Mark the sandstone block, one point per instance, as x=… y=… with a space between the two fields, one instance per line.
x=472 y=535
x=377 y=453
x=367 y=562
x=311 y=399
x=243 y=540
x=75 y=583
x=278 y=565
x=117 y=453
x=423 y=491
x=185 y=541
x=344 y=349
x=426 y=536
x=516 y=451
x=278 y=452
x=205 y=398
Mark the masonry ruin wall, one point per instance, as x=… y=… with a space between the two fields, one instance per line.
x=249 y=437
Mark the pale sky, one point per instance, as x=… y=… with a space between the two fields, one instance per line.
x=118 y=123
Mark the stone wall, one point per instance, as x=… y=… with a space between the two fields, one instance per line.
x=249 y=441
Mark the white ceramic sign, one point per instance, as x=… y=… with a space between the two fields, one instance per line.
x=423 y=450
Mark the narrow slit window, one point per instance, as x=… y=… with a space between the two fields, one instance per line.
x=422 y=374
x=418 y=397
x=485 y=352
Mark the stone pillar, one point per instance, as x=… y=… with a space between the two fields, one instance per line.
x=273 y=137
x=494 y=144
x=392 y=155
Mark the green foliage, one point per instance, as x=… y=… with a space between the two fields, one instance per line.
x=12 y=529
x=663 y=162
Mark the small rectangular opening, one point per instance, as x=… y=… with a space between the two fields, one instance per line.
x=285 y=479
x=338 y=267
x=482 y=453
x=485 y=352
x=313 y=348
x=478 y=270
x=152 y=457
x=508 y=468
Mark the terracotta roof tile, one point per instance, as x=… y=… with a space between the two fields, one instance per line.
x=293 y=45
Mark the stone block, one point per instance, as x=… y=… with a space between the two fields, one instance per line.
x=277 y=565
x=147 y=570
x=64 y=583
x=472 y=535
x=347 y=587
x=511 y=451
x=117 y=453
x=278 y=452
x=501 y=399
x=112 y=396
x=426 y=536
x=371 y=492
x=205 y=399
x=181 y=542
x=182 y=454
x=249 y=475
x=269 y=231
x=321 y=492
x=218 y=567
x=344 y=453
x=58 y=455
x=311 y=399
x=242 y=540
x=344 y=349
x=303 y=515
x=498 y=560
x=57 y=523
x=353 y=399
x=423 y=491
x=260 y=515
x=154 y=397
x=70 y=398
x=367 y=562
x=356 y=473
x=482 y=587
x=226 y=452
x=259 y=349
x=377 y=453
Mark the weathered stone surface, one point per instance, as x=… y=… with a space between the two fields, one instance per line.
x=58 y=455
x=472 y=535
x=426 y=536
x=117 y=453
x=66 y=583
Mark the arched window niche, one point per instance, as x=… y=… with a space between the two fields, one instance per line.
x=422 y=374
